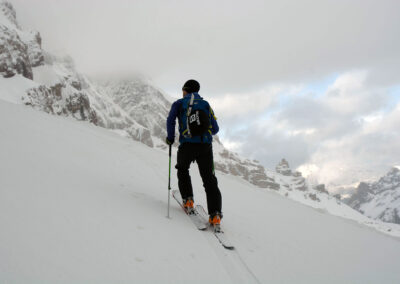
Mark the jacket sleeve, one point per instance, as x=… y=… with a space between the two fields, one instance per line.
x=171 y=120
x=214 y=124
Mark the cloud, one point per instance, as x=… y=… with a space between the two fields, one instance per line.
x=347 y=134
x=246 y=104
x=230 y=46
x=337 y=112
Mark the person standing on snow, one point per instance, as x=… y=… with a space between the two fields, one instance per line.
x=197 y=124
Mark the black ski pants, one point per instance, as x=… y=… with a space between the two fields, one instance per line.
x=201 y=153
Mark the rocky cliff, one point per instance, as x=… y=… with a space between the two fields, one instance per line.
x=380 y=199
x=19 y=50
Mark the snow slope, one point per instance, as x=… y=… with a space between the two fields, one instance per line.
x=81 y=204
x=13 y=89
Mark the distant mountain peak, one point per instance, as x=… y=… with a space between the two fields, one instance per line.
x=394 y=171
x=283 y=168
x=379 y=199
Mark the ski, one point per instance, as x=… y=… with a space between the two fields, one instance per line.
x=200 y=218
x=220 y=235
x=194 y=216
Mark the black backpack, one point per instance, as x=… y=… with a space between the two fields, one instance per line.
x=194 y=117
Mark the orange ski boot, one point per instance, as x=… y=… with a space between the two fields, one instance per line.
x=188 y=204
x=215 y=221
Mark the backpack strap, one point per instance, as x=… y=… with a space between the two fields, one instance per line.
x=188 y=114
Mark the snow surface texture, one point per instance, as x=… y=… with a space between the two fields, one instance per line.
x=81 y=204
x=379 y=200
x=13 y=89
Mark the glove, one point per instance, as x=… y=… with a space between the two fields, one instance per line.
x=169 y=142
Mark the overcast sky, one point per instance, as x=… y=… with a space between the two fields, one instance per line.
x=316 y=82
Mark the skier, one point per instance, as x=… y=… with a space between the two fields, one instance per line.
x=197 y=124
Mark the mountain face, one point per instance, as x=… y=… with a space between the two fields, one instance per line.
x=379 y=200
x=19 y=50
x=142 y=104
x=58 y=90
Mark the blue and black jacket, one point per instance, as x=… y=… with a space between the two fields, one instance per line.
x=176 y=112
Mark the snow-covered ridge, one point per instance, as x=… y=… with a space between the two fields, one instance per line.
x=379 y=200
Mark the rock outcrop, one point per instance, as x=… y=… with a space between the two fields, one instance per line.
x=60 y=100
x=283 y=168
x=294 y=179
x=380 y=199
x=231 y=163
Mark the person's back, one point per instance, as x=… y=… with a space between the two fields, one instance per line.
x=197 y=124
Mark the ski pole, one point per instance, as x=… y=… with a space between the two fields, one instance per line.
x=169 y=177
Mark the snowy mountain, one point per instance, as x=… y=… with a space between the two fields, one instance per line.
x=132 y=107
x=379 y=200
x=142 y=103
x=295 y=187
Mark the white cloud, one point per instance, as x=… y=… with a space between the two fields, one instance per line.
x=234 y=104
x=230 y=46
x=308 y=170
x=307 y=131
x=350 y=95
x=232 y=145
x=348 y=134
x=348 y=82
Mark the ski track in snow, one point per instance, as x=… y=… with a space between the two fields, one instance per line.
x=231 y=261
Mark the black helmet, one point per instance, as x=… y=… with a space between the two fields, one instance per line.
x=191 y=86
